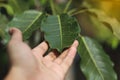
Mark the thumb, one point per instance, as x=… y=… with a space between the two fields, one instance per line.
x=16 y=34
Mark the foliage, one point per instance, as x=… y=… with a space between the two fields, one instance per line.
x=95 y=61
x=59 y=22
x=60 y=31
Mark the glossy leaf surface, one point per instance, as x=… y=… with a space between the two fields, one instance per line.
x=95 y=63
x=60 y=31
x=27 y=22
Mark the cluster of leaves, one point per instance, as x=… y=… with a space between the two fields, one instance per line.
x=61 y=28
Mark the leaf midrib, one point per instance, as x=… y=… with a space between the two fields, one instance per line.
x=60 y=26
x=92 y=57
x=32 y=22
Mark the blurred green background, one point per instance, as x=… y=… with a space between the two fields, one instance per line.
x=90 y=25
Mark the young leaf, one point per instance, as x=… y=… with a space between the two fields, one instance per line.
x=60 y=31
x=95 y=64
x=113 y=22
x=27 y=22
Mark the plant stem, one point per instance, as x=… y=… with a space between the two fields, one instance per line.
x=72 y=11
x=52 y=6
x=78 y=12
x=67 y=6
x=37 y=5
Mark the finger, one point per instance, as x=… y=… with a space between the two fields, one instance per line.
x=16 y=37
x=61 y=57
x=16 y=34
x=70 y=56
x=51 y=56
x=40 y=49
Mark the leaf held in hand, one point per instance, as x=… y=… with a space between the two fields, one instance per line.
x=60 y=30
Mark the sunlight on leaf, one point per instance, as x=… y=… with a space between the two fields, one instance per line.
x=113 y=22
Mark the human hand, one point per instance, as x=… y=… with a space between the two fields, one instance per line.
x=29 y=64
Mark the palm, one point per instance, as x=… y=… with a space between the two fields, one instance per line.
x=33 y=62
x=50 y=63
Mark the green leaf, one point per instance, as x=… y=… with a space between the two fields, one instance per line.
x=95 y=63
x=113 y=23
x=60 y=31
x=8 y=8
x=3 y=23
x=43 y=2
x=103 y=32
x=27 y=22
x=20 y=6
